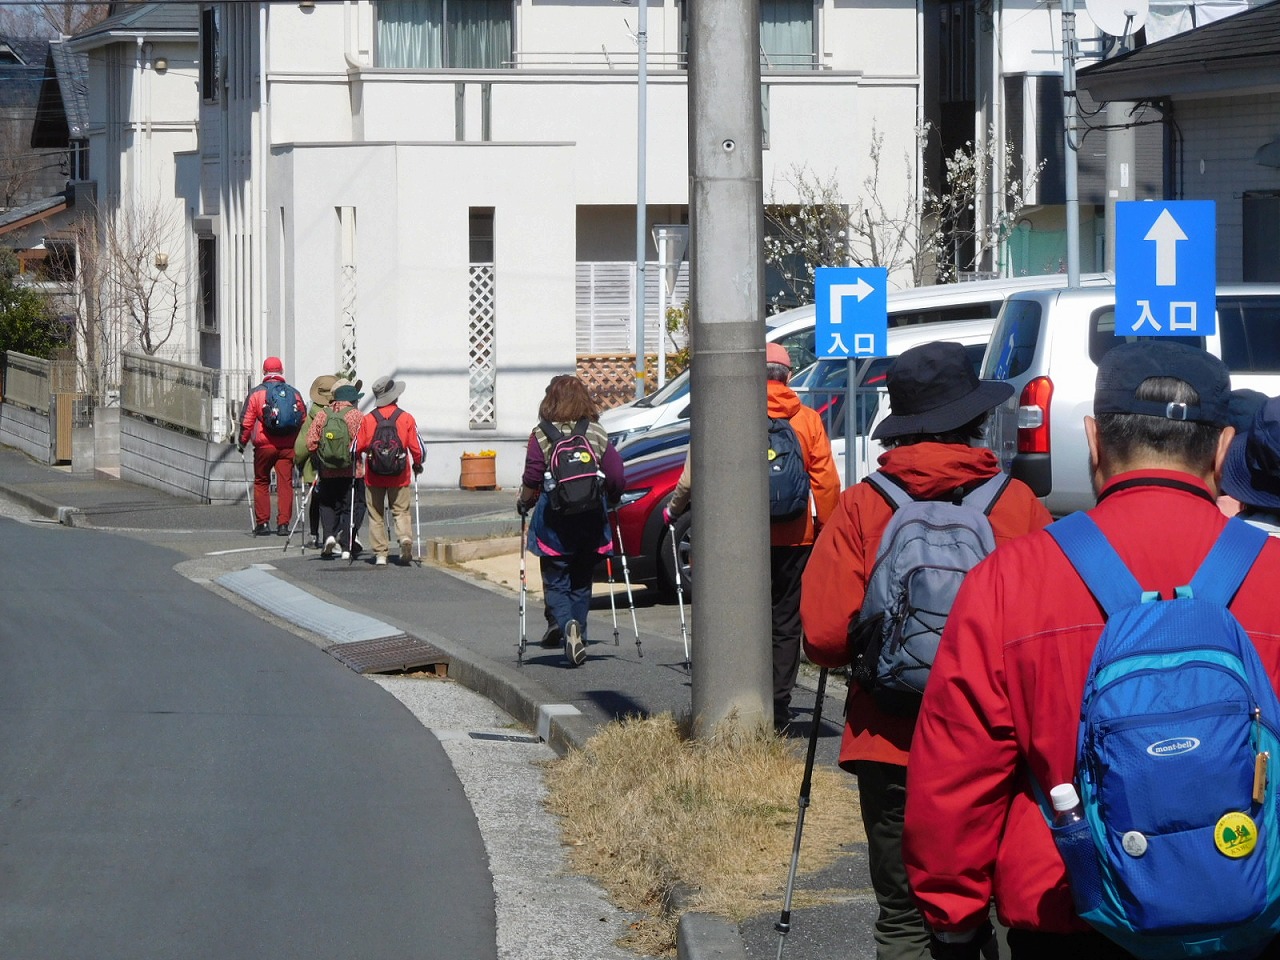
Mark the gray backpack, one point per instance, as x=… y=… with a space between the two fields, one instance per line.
x=925 y=552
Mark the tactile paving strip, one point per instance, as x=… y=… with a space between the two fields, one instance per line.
x=386 y=654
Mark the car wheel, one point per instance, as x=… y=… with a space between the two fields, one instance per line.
x=667 y=564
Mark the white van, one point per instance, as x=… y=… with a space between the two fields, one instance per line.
x=794 y=329
x=1048 y=343
x=822 y=387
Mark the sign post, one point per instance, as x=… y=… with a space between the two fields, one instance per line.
x=852 y=322
x=672 y=240
x=1166 y=273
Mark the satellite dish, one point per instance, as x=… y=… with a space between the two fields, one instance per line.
x=1120 y=18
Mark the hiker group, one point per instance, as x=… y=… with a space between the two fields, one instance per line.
x=1087 y=767
x=351 y=464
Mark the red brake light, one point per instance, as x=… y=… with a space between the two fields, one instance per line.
x=1033 y=416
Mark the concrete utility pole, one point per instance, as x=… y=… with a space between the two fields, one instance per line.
x=732 y=658
x=642 y=207
x=1121 y=140
x=1070 y=111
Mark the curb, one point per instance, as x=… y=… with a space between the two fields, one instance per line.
x=67 y=516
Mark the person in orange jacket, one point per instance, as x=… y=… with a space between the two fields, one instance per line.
x=791 y=541
x=390 y=490
x=938 y=408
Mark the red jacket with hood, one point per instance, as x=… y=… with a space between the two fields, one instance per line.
x=835 y=579
x=406 y=430
x=824 y=479
x=1004 y=698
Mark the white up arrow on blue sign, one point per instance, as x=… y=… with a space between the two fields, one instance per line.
x=852 y=307
x=1166 y=277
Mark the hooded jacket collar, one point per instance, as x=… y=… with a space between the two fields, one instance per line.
x=930 y=470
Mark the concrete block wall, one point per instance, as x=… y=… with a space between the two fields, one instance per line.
x=28 y=431
x=179 y=464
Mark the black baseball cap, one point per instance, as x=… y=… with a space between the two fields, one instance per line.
x=1127 y=365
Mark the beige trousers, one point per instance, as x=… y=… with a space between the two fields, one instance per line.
x=399 y=500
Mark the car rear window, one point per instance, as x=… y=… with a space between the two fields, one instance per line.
x=1013 y=344
x=1102 y=335
x=1249 y=328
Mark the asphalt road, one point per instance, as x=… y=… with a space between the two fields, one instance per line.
x=180 y=778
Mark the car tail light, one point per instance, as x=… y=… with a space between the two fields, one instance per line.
x=1033 y=416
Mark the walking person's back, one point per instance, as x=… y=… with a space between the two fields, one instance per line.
x=272 y=417
x=1001 y=719
x=331 y=440
x=571 y=472
x=389 y=439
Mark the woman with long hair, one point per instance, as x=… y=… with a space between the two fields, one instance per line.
x=571 y=473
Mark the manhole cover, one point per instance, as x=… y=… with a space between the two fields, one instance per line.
x=386 y=654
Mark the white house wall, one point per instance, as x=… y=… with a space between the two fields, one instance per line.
x=412 y=278
x=1219 y=139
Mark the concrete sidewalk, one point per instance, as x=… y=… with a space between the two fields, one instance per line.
x=216 y=538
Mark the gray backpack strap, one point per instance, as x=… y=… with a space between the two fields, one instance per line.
x=889 y=488
x=984 y=495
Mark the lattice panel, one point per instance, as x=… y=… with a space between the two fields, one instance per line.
x=610 y=378
x=482 y=348
x=347 y=348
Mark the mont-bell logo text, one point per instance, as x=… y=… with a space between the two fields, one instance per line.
x=1173 y=747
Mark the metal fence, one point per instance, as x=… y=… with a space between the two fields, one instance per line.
x=32 y=382
x=177 y=394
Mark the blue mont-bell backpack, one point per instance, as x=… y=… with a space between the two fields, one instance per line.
x=789 y=484
x=1178 y=853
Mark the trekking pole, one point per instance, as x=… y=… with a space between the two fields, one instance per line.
x=417 y=522
x=248 y=490
x=626 y=578
x=613 y=603
x=684 y=630
x=297 y=520
x=783 y=926
x=520 y=644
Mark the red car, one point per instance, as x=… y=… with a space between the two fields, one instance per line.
x=639 y=531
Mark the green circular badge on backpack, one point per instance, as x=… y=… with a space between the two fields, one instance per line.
x=1235 y=835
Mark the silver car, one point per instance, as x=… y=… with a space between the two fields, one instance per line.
x=1047 y=343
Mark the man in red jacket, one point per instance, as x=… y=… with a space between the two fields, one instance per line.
x=938 y=410
x=272 y=446
x=384 y=488
x=1002 y=705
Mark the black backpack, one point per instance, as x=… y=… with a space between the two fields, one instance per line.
x=574 y=482
x=283 y=411
x=789 y=485
x=387 y=453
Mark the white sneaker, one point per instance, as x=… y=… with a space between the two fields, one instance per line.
x=575 y=650
x=379 y=561
x=330 y=545
x=346 y=554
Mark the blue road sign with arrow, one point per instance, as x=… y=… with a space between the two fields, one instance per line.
x=1166 y=274
x=852 y=311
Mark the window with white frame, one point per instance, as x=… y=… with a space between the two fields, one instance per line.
x=445 y=34
x=788 y=34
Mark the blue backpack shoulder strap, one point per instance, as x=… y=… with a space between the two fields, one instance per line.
x=1228 y=563
x=1096 y=561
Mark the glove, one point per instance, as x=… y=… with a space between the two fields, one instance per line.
x=522 y=506
x=970 y=949
x=240 y=448
x=417 y=469
x=667 y=518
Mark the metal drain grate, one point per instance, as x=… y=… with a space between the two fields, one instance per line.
x=386 y=654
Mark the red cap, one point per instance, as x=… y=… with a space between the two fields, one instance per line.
x=777 y=353
x=272 y=365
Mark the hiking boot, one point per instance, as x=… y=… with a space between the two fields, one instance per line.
x=575 y=650
x=346 y=554
x=262 y=530
x=357 y=548
x=330 y=547
x=379 y=561
x=406 y=552
x=282 y=530
x=553 y=637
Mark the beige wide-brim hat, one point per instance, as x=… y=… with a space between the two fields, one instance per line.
x=322 y=389
x=387 y=391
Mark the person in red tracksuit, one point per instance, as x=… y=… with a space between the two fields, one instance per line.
x=938 y=409
x=383 y=490
x=1003 y=701
x=271 y=451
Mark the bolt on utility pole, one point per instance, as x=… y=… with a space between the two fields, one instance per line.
x=732 y=648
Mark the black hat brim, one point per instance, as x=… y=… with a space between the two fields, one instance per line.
x=1237 y=481
x=988 y=395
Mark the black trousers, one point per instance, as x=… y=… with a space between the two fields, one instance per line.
x=786 y=565
x=336 y=518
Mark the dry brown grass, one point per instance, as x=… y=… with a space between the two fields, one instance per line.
x=649 y=813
